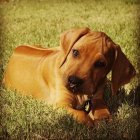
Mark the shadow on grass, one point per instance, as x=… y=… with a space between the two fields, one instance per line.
x=26 y=118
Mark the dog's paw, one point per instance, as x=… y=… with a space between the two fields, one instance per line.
x=100 y=114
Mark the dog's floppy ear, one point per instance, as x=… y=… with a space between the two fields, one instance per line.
x=122 y=70
x=69 y=38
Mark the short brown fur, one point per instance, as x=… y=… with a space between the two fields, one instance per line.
x=43 y=73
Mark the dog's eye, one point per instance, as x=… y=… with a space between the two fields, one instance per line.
x=100 y=64
x=75 y=53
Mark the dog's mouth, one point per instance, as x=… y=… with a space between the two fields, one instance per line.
x=77 y=85
x=79 y=89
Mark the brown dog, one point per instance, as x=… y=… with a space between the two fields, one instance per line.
x=72 y=75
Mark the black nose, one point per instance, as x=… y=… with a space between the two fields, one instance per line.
x=75 y=81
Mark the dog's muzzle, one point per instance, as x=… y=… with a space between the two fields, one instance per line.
x=86 y=106
x=74 y=83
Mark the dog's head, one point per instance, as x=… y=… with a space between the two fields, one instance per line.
x=88 y=57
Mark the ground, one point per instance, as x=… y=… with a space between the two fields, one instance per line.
x=38 y=22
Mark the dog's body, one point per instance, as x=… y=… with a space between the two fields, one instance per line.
x=70 y=75
x=40 y=68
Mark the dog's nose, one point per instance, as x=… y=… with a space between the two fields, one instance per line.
x=74 y=81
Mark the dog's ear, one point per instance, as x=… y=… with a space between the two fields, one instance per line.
x=122 y=70
x=69 y=38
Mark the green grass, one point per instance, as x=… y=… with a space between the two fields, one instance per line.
x=41 y=22
x=26 y=118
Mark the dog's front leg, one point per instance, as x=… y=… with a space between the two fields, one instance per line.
x=80 y=116
x=100 y=110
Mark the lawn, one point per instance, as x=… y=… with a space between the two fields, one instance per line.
x=38 y=22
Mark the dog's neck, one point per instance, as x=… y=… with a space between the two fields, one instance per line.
x=98 y=95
